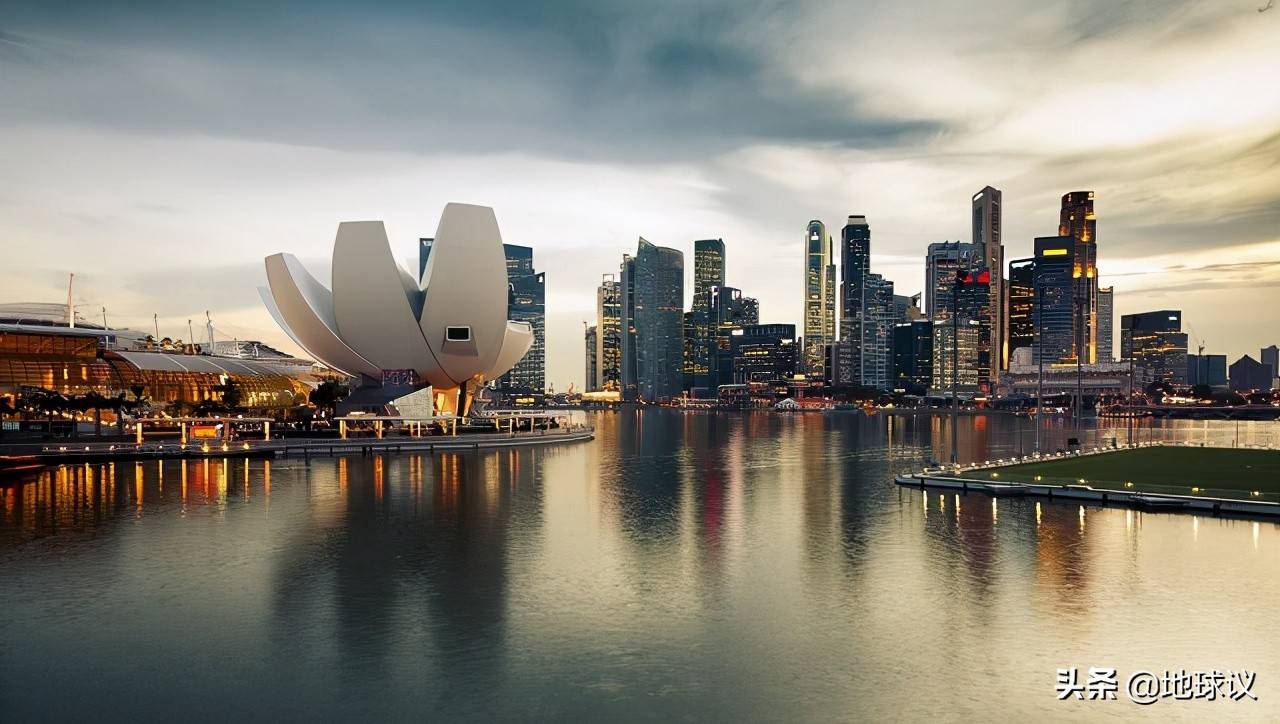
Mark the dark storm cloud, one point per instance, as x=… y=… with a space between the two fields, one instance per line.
x=573 y=79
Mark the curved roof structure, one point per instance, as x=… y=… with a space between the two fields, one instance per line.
x=450 y=329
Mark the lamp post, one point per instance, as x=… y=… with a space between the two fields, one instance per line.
x=955 y=365
x=1039 y=311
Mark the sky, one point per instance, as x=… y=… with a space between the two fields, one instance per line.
x=159 y=152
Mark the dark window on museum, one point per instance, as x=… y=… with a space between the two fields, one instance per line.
x=457 y=334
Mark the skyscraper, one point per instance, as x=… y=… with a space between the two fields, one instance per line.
x=1156 y=346
x=941 y=262
x=819 y=299
x=658 y=293
x=963 y=362
x=708 y=268
x=990 y=250
x=874 y=359
x=628 y=379
x=1021 y=296
x=1077 y=221
x=1270 y=356
x=608 y=356
x=1106 y=318
x=526 y=302
x=708 y=274
x=590 y=382
x=973 y=304
x=913 y=356
x=730 y=312
x=1053 y=309
x=855 y=265
x=763 y=353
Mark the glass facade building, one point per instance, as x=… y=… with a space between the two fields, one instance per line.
x=526 y=302
x=1053 y=313
x=819 y=299
x=764 y=353
x=941 y=262
x=658 y=301
x=699 y=325
x=913 y=356
x=1022 y=301
x=855 y=266
x=1077 y=221
x=1156 y=346
x=987 y=224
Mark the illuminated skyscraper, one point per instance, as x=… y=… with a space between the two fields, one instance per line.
x=1106 y=318
x=990 y=250
x=729 y=312
x=589 y=338
x=608 y=356
x=941 y=263
x=1053 y=309
x=526 y=302
x=1077 y=221
x=819 y=299
x=1156 y=345
x=1022 y=301
x=699 y=333
x=855 y=266
x=658 y=294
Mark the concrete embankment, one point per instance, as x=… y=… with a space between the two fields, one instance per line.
x=27 y=456
x=1140 y=501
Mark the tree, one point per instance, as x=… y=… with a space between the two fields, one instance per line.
x=329 y=393
x=1202 y=392
x=232 y=395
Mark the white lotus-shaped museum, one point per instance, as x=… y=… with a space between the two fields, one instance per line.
x=448 y=330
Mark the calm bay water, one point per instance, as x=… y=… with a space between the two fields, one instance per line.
x=680 y=566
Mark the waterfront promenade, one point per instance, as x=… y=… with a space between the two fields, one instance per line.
x=1172 y=478
x=28 y=455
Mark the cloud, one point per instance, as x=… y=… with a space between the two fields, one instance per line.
x=164 y=150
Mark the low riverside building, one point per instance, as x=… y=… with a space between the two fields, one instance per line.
x=75 y=361
x=1100 y=378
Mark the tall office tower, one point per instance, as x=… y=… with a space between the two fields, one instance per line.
x=964 y=363
x=1077 y=221
x=708 y=268
x=764 y=353
x=1271 y=356
x=1156 y=347
x=819 y=299
x=628 y=378
x=658 y=293
x=526 y=302
x=1207 y=369
x=941 y=262
x=1052 y=315
x=730 y=312
x=708 y=273
x=590 y=383
x=1106 y=318
x=973 y=304
x=913 y=356
x=609 y=334
x=874 y=358
x=855 y=265
x=1021 y=295
x=986 y=237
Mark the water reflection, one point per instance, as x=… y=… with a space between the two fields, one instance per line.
x=753 y=565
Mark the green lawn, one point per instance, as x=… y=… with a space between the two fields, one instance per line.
x=1216 y=471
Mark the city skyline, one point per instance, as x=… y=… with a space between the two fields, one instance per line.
x=130 y=154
